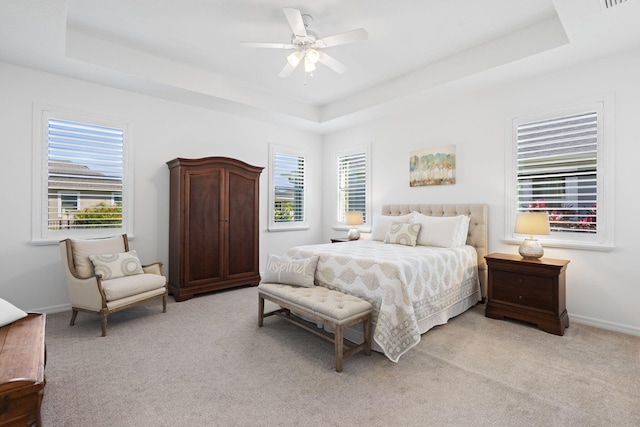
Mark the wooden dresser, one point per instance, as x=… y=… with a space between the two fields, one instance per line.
x=533 y=291
x=22 y=360
x=213 y=225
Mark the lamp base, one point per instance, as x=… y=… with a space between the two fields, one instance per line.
x=531 y=249
x=353 y=234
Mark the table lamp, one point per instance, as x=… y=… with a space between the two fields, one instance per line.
x=532 y=223
x=354 y=218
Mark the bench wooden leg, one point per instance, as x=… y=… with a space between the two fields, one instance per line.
x=339 y=347
x=367 y=334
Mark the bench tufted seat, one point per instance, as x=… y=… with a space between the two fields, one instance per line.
x=329 y=307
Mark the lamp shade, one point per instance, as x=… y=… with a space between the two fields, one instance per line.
x=532 y=223
x=354 y=218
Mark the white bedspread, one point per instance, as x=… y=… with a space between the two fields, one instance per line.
x=406 y=285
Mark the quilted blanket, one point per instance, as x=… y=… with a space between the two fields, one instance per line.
x=406 y=285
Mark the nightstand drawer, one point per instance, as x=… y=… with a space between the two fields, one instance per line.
x=527 y=290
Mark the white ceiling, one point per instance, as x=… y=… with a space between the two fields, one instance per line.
x=188 y=50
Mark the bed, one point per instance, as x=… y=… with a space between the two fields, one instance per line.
x=412 y=288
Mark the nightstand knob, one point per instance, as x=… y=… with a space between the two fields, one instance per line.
x=519 y=297
x=520 y=280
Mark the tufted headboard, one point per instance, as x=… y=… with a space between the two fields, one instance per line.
x=477 y=237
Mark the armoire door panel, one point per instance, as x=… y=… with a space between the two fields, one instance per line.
x=204 y=226
x=242 y=224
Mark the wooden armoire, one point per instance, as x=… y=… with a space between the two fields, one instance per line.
x=213 y=225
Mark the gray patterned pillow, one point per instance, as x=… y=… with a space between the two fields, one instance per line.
x=112 y=266
x=403 y=234
x=287 y=271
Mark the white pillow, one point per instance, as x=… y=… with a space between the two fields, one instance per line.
x=9 y=313
x=112 y=266
x=381 y=223
x=403 y=234
x=288 y=271
x=442 y=231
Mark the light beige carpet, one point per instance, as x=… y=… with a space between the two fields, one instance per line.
x=205 y=362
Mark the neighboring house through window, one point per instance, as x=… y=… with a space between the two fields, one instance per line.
x=82 y=190
x=559 y=168
x=287 y=189
x=353 y=183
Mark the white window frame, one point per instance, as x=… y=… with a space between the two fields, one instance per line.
x=368 y=219
x=603 y=239
x=275 y=149
x=40 y=233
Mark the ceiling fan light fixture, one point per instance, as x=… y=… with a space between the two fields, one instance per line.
x=308 y=46
x=295 y=58
x=308 y=65
x=313 y=55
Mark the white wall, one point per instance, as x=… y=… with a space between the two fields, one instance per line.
x=31 y=275
x=603 y=288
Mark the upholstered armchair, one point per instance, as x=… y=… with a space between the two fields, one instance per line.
x=103 y=276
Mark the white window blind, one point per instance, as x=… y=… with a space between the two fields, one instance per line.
x=84 y=175
x=352 y=184
x=557 y=163
x=288 y=188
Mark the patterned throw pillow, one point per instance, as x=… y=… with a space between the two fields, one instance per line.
x=403 y=234
x=112 y=266
x=287 y=271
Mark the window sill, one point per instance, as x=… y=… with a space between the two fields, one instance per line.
x=49 y=241
x=292 y=228
x=588 y=246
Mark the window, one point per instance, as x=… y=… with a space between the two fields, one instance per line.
x=82 y=189
x=559 y=169
x=353 y=183
x=287 y=209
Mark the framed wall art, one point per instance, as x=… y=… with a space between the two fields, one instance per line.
x=435 y=166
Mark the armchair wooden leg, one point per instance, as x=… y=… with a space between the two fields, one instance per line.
x=260 y=310
x=74 y=314
x=164 y=303
x=104 y=324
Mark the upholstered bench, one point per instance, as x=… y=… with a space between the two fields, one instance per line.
x=319 y=304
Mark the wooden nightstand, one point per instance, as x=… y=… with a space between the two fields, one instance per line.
x=339 y=240
x=529 y=290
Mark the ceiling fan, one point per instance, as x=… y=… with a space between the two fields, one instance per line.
x=308 y=46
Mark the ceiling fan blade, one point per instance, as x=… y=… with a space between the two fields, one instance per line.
x=332 y=63
x=287 y=70
x=342 y=38
x=267 y=45
x=295 y=21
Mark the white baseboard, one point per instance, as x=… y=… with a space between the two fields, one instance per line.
x=603 y=324
x=53 y=309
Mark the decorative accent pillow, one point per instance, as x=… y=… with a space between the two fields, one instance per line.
x=9 y=313
x=288 y=271
x=442 y=231
x=112 y=266
x=403 y=234
x=381 y=223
